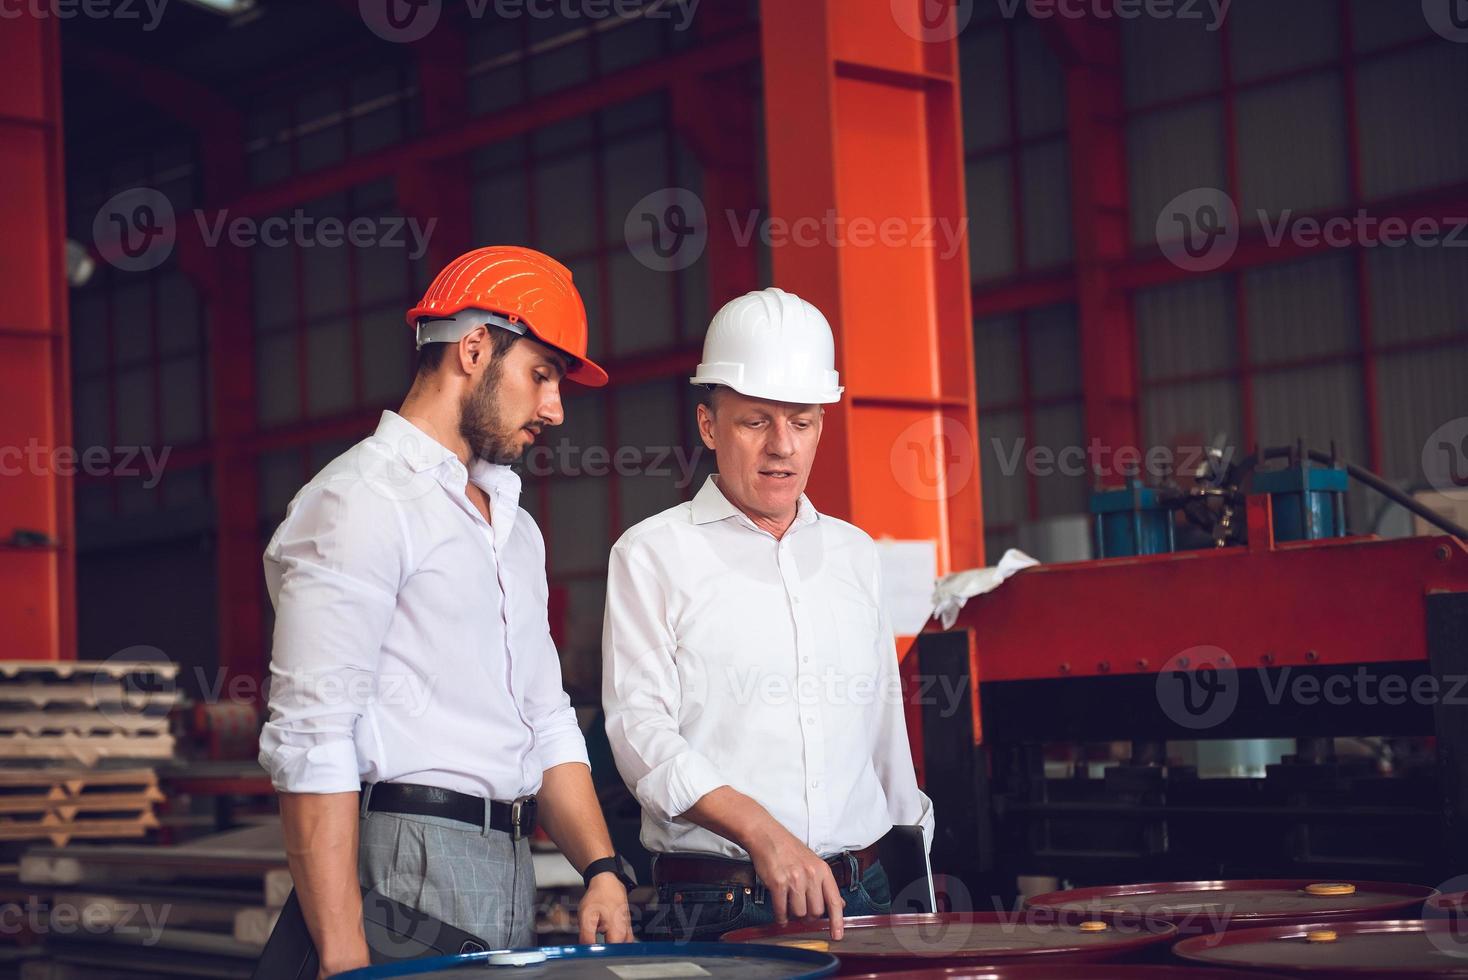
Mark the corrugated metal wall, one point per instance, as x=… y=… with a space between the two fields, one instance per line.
x=1280 y=344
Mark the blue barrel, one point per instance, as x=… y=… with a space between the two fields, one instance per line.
x=715 y=960
x=1132 y=521
x=1308 y=501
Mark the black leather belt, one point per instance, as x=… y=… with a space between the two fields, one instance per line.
x=516 y=818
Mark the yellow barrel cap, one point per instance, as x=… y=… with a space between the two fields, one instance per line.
x=1321 y=936
x=816 y=945
x=1093 y=926
x=1331 y=888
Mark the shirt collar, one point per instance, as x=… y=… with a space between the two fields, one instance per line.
x=423 y=453
x=710 y=505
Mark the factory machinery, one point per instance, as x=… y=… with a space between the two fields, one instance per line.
x=1235 y=608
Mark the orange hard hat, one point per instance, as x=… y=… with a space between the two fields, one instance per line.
x=521 y=290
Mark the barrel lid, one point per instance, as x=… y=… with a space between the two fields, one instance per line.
x=628 y=960
x=976 y=936
x=1409 y=947
x=1212 y=906
x=1069 y=971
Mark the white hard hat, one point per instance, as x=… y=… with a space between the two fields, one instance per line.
x=771 y=344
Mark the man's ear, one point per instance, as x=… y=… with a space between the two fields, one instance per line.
x=474 y=349
x=706 y=426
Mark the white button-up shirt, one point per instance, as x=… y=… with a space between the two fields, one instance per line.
x=411 y=637
x=734 y=659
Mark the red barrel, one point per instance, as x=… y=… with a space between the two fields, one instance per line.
x=1387 y=950
x=884 y=943
x=1203 y=907
x=1061 y=971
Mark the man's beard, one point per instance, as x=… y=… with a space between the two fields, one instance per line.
x=482 y=426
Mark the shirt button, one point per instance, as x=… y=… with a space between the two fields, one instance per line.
x=805 y=660
x=815 y=784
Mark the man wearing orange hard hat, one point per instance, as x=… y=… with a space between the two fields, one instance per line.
x=418 y=728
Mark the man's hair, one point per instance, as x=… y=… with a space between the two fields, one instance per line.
x=430 y=356
x=707 y=396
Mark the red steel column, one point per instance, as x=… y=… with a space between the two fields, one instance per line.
x=1090 y=50
x=38 y=612
x=863 y=127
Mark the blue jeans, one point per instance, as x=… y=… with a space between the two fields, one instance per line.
x=700 y=912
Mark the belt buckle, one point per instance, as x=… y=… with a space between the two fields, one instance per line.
x=516 y=807
x=522 y=811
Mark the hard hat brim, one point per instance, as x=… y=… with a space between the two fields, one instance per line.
x=774 y=393
x=587 y=372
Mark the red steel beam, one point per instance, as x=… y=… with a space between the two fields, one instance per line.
x=38 y=615
x=726 y=52
x=862 y=122
x=1090 y=50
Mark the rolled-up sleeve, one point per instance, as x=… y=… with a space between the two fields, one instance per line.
x=333 y=569
x=893 y=763
x=641 y=693
x=558 y=736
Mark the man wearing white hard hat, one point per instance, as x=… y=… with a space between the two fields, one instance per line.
x=749 y=673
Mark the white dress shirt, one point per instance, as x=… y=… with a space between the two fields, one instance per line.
x=733 y=659
x=411 y=639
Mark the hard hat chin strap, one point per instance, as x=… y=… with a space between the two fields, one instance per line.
x=452 y=329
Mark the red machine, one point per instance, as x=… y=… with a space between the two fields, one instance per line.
x=1311 y=640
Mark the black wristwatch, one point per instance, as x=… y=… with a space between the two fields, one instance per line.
x=617 y=865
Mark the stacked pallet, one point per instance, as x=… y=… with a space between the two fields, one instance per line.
x=86 y=711
x=61 y=805
x=199 y=909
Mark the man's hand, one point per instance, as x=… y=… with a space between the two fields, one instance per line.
x=604 y=909
x=800 y=883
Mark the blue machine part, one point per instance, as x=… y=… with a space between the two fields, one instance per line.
x=715 y=960
x=1308 y=501
x=1132 y=521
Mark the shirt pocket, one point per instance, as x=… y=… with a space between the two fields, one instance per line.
x=857 y=624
